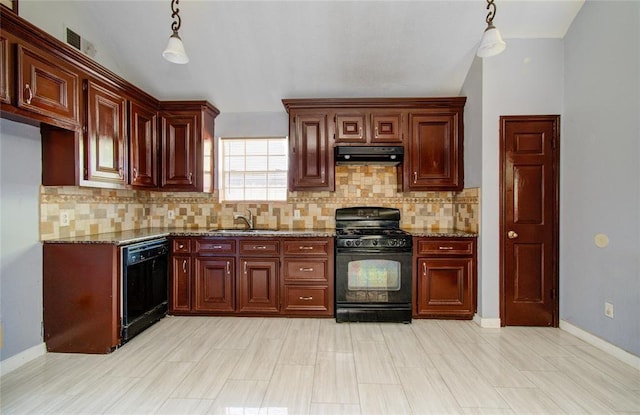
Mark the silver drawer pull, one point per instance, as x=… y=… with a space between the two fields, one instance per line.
x=184 y=266
x=445 y=248
x=305 y=298
x=424 y=268
x=306 y=269
x=259 y=247
x=180 y=246
x=216 y=247
x=305 y=248
x=27 y=89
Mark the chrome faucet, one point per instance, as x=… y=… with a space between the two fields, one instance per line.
x=249 y=219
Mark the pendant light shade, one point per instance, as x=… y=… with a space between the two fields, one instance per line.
x=174 y=51
x=491 y=43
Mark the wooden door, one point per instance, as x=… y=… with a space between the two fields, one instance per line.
x=529 y=156
x=214 y=284
x=258 y=285
x=105 y=140
x=144 y=143
x=180 y=151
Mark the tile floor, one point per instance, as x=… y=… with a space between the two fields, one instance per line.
x=277 y=366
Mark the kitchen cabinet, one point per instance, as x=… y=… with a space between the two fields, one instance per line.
x=143 y=147
x=47 y=86
x=5 y=95
x=445 y=270
x=105 y=140
x=214 y=286
x=435 y=151
x=181 y=271
x=258 y=280
x=307 y=277
x=81 y=297
x=358 y=126
x=187 y=148
x=311 y=159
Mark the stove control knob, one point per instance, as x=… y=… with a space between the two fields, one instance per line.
x=375 y=243
x=347 y=243
x=358 y=242
x=393 y=242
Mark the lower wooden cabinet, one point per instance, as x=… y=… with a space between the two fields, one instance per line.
x=445 y=272
x=258 y=285
x=180 y=298
x=214 y=278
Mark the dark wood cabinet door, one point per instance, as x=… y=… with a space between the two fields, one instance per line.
x=311 y=161
x=143 y=151
x=435 y=152
x=180 y=284
x=386 y=127
x=5 y=95
x=258 y=285
x=105 y=135
x=445 y=287
x=350 y=127
x=46 y=86
x=180 y=144
x=214 y=278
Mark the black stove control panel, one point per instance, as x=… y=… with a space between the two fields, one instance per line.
x=374 y=241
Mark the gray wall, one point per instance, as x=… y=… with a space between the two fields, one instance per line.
x=20 y=249
x=600 y=173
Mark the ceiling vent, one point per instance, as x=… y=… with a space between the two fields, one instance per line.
x=78 y=42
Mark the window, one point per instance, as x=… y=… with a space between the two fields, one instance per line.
x=253 y=169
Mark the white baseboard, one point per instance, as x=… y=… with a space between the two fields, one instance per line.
x=14 y=362
x=487 y=323
x=603 y=345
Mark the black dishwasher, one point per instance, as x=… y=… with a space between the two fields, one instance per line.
x=144 y=285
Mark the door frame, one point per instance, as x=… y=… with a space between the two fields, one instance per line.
x=556 y=217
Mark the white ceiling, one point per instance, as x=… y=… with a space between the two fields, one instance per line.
x=248 y=55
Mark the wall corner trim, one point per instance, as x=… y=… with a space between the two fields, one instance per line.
x=14 y=362
x=487 y=323
x=601 y=344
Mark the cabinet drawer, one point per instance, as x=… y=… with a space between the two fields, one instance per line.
x=305 y=270
x=259 y=247
x=306 y=298
x=308 y=247
x=438 y=246
x=215 y=246
x=181 y=246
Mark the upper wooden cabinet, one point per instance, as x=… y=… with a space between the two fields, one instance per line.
x=143 y=146
x=105 y=142
x=435 y=153
x=358 y=126
x=187 y=146
x=310 y=158
x=46 y=86
x=5 y=95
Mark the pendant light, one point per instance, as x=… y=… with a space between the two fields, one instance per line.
x=491 y=43
x=175 y=49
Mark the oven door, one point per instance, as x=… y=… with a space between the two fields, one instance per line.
x=372 y=285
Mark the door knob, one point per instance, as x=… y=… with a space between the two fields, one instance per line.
x=512 y=235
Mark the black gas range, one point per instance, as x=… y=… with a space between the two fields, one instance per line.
x=373 y=265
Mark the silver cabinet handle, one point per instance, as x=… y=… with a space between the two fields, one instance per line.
x=245 y=268
x=360 y=132
x=181 y=246
x=376 y=130
x=27 y=89
x=229 y=268
x=184 y=266
x=216 y=247
x=305 y=298
x=190 y=178
x=306 y=269
x=135 y=173
x=305 y=248
x=424 y=269
x=259 y=247
x=415 y=177
x=121 y=172
x=445 y=248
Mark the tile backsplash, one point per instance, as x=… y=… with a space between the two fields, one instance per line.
x=92 y=211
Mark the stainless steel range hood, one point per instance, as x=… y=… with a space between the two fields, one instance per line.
x=378 y=155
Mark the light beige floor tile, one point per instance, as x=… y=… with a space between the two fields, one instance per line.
x=140 y=361
x=427 y=392
x=191 y=349
x=614 y=368
x=374 y=363
x=208 y=376
x=488 y=411
x=567 y=393
x=334 y=337
x=432 y=337
x=240 y=397
x=238 y=332
x=407 y=350
x=379 y=399
x=466 y=384
x=96 y=395
x=258 y=360
x=529 y=401
x=175 y=406
x=462 y=331
x=366 y=332
x=301 y=343
x=498 y=372
x=534 y=338
x=517 y=352
x=272 y=329
x=334 y=409
x=290 y=388
x=600 y=385
x=335 y=378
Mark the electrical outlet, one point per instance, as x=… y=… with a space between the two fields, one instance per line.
x=296 y=213
x=64 y=218
x=608 y=310
x=171 y=214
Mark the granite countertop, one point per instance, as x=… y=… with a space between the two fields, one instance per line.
x=442 y=233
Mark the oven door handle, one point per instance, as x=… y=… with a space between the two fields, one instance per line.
x=356 y=251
